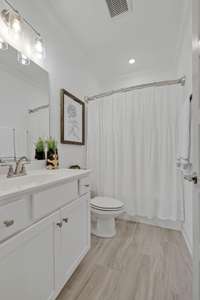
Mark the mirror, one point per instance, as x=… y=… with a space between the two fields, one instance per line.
x=24 y=106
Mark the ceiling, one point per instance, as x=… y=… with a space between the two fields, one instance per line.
x=150 y=33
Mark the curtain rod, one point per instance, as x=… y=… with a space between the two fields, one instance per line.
x=135 y=87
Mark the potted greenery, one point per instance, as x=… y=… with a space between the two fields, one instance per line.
x=40 y=149
x=52 y=154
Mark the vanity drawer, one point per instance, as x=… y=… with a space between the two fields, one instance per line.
x=14 y=217
x=45 y=202
x=84 y=185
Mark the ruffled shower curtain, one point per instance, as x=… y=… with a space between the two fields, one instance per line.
x=132 y=141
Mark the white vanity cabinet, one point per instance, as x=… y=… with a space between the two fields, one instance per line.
x=44 y=202
x=37 y=261
x=27 y=262
x=75 y=236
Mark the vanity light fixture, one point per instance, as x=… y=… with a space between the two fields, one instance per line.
x=131 y=61
x=3 y=44
x=23 y=59
x=15 y=21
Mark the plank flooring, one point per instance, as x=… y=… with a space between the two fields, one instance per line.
x=142 y=262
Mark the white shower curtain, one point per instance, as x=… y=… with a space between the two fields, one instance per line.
x=132 y=150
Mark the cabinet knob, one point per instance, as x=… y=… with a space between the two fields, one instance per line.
x=59 y=224
x=8 y=223
x=87 y=185
x=65 y=220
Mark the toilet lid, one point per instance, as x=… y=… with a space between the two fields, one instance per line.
x=106 y=203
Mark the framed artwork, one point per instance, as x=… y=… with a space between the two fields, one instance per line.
x=72 y=119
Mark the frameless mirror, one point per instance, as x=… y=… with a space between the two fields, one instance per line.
x=24 y=106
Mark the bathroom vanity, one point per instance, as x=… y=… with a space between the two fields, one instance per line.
x=44 y=232
x=45 y=215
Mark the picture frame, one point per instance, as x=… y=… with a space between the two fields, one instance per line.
x=72 y=119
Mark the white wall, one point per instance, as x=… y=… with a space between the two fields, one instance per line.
x=185 y=67
x=66 y=70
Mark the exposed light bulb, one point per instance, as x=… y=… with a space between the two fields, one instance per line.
x=23 y=59
x=39 y=47
x=27 y=49
x=131 y=61
x=16 y=24
x=39 y=55
x=3 y=44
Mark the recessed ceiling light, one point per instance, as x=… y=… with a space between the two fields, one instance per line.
x=131 y=61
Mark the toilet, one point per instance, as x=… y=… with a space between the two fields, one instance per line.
x=104 y=211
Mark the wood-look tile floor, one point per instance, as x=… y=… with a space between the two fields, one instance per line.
x=141 y=263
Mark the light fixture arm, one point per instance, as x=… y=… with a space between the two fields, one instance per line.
x=11 y=6
x=24 y=19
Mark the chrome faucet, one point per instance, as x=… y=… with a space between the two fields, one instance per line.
x=20 y=169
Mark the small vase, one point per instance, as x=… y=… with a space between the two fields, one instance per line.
x=52 y=159
x=39 y=155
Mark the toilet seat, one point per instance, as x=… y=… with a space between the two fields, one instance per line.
x=106 y=204
x=106 y=210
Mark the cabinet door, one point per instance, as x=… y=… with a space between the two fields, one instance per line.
x=27 y=262
x=75 y=236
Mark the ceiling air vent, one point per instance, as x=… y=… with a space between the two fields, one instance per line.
x=117 y=7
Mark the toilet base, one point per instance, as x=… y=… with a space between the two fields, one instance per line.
x=104 y=227
x=104 y=211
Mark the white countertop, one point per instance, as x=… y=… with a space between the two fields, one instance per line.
x=36 y=180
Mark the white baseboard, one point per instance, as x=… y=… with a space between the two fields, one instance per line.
x=187 y=240
x=174 y=225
